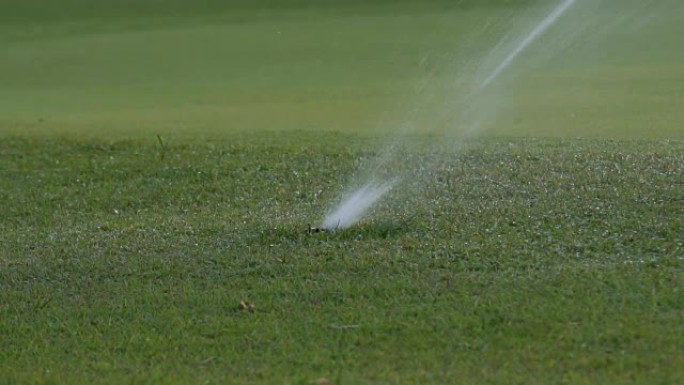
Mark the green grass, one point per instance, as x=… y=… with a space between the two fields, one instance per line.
x=113 y=71
x=160 y=165
x=520 y=261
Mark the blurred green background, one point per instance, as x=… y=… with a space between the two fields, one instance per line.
x=211 y=68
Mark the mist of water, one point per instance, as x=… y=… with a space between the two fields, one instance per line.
x=354 y=206
x=529 y=39
x=352 y=209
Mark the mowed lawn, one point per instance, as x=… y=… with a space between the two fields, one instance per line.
x=116 y=71
x=160 y=166
x=513 y=262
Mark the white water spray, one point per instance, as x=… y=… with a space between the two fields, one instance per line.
x=531 y=37
x=356 y=205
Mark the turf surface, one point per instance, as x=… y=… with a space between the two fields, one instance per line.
x=160 y=167
x=519 y=262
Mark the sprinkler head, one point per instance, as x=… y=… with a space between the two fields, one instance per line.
x=313 y=230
